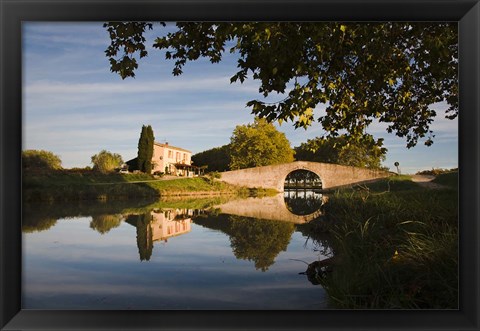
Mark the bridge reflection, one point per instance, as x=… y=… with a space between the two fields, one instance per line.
x=303 y=202
x=281 y=207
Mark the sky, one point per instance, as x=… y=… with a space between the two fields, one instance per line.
x=75 y=107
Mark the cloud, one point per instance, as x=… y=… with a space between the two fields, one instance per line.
x=65 y=34
x=133 y=87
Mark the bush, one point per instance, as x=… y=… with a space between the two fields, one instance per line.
x=211 y=176
x=436 y=171
x=40 y=160
x=106 y=161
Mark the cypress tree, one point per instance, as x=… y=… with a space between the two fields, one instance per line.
x=142 y=149
x=145 y=149
x=150 y=139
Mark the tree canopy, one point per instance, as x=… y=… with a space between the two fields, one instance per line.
x=217 y=158
x=389 y=72
x=258 y=144
x=106 y=161
x=40 y=160
x=366 y=153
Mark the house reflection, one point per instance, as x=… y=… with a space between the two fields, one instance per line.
x=168 y=223
x=159 y=225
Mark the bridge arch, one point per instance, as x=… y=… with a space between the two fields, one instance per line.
x=288 y=172
x=273 y=176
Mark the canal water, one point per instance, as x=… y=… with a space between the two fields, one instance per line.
x=245 y=254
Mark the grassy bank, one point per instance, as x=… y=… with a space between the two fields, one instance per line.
x=67 y=185
x=395 y=245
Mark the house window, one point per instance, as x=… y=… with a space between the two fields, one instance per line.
x=170 y=154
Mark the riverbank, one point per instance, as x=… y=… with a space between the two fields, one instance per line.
x=68 y=185
x=394 y=243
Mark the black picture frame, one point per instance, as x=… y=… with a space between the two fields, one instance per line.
x=14 y=12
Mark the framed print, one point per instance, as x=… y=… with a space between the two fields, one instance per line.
x=156 y=174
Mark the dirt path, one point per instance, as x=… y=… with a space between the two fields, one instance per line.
x=426 y=181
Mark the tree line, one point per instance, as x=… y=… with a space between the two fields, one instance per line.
x=260 y=144
x=251 y=145
x=103 y=162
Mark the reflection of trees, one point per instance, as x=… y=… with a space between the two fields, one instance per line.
x=251 y=239
x=302 y=177
x=144 y=234
x=37 y=217
x=259 y=241
x=303 y=205
x=31 y=224
x=104 y=223
x=42 y=216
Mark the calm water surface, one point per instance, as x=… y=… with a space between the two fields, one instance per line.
x=171 y=255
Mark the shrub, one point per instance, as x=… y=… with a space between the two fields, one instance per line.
x=40 y=160
x=436 y=171
x=211 y=176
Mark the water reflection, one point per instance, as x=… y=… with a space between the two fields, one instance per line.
x=159 y=225
x=273 y=208
x=38 y=217
x=303 y=202
x=222 y=249
x=104 y=223
x=252 y=239
x=258 y=239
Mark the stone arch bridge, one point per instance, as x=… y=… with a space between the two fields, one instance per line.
x=273 y=176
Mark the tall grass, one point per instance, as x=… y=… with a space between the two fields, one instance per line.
x=447 y=179
x=395 y=246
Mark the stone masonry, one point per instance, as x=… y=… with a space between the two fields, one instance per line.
x=273 y=176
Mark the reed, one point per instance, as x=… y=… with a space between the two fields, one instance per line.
x=395 y=246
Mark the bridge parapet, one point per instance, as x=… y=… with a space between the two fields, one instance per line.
x=273 y=176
